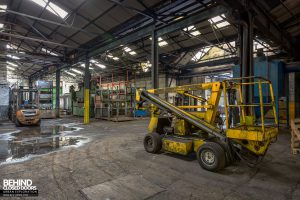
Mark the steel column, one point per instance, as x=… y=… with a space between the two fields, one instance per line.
x=57 y=98
x=154 y=59
x=87 y=78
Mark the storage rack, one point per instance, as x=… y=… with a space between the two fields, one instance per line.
x=115 y=101
x=46 y=99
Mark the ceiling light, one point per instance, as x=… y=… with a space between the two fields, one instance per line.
x=77 y=71
x=93 y=61
x=3 y=8
x=110 y=56
x=10 y=68
x=115 y=58
x=100 y=65
x=1 y=25
x=13 y=57
x=12 y=64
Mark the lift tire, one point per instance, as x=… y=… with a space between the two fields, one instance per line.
x=18 y=124
x=211 y=156
x=152 y=142
x=39 y=123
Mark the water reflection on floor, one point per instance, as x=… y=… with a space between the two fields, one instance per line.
x=19 y=146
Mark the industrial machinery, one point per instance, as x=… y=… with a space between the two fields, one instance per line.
x=199 y=128
x=24 y=108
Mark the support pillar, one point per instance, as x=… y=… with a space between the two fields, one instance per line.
x=154 y=59
x=57 y=91
x=87 y=77
x=246 y=56
x=30 y=87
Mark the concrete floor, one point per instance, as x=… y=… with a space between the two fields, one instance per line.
x=114 y=165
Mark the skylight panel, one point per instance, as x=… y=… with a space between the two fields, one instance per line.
x=200 y=54
x=192 y=30
x=72 y=74
x=127 y=49
x=13 y=57
x=12 y=64
x=83 y=65
x=10 y=68
x=3 y=8
x=57 y=10
x=77 y=71
x=49 y=52
x=98 y=64
x=222 y=24
x=195 y=33
x=115 y=58
x=132 y=53
x=51 y=7
x=218 y=21
x=1 y=25
x=163 y=43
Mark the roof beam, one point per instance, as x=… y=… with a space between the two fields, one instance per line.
x=113 y=43
x=180 y=24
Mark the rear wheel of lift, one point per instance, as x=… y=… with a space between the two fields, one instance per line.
x=211 y=156
x=152 y=142
x=18 y=124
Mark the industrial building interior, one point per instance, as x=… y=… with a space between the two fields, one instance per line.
x=150 y=99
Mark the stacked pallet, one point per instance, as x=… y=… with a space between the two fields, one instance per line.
x=295 y=140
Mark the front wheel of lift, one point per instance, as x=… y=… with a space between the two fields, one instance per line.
x=152 y=142
x=211 y=156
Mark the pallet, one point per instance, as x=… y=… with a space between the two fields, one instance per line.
x=295 y=136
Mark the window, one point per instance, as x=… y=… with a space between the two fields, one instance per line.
x=51 y=7
x=219 y=21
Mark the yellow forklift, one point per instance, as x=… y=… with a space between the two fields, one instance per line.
x=200 y=127
x=24 y=108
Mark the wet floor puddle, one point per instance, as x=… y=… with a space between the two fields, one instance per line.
x=25 y=144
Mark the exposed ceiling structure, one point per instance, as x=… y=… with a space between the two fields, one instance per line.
x=40 y=36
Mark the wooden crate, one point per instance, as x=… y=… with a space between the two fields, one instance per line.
x=295 y=133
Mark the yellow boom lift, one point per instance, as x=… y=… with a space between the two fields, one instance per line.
x=198 y=128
